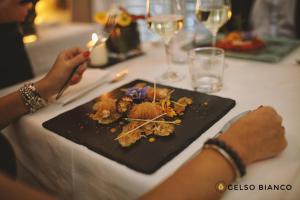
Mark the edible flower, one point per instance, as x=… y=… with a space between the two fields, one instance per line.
x=137 y=94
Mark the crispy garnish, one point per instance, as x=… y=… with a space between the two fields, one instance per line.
x=185 y=101
x=181 y=105
x=140 y=85
x=160 y=94
x=146 y=110
x=164 y=129
x=105 y=111
x=149 y=128
x=124 y=104
x=140 y=126
x=126 y=139
x=166 y=107
x=113 y=130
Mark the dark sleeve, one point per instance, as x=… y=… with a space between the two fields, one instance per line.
x=297 y=18
x=7 y=158
x=240 y=20
x=15 y=66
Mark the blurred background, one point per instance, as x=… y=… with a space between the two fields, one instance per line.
x=54 y=25
x=71 y=21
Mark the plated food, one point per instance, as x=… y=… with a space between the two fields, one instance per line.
x=240 y=41
x=151 y=151
x=147 y=111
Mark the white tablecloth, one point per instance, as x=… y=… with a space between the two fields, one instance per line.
x=74 y=172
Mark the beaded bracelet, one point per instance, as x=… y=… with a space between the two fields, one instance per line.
x=32 y=99
x=229 y=154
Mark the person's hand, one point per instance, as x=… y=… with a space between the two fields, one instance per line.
x=61 y=70
x=256 y=136
x=13 y=11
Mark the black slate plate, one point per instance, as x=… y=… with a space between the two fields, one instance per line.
x=143 y=156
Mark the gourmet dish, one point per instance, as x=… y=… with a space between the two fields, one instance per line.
x=147 y=111
x=240 y=41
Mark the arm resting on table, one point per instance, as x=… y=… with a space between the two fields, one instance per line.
x=197 y=179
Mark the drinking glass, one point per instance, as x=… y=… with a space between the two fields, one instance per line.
x=165 y=18
x=213 y=14
x=206 y=67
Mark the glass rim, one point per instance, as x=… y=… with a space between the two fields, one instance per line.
x=197 y=49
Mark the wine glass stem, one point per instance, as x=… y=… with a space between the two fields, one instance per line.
x=168 y=54
x=214 y=39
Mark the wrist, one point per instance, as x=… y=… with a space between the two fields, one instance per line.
x=32 y=98
x=44 y=89
x=230 y=154
x=219 y=161
x=237 y=146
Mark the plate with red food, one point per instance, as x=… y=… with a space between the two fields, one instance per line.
x=246 y=45
x=240 y=41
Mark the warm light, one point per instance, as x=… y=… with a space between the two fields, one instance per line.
x=47 y=12
x=94 y=37
x=41 y=9
x=92 y=42
x=229 y=14
x=29 y=39
x=40 y=6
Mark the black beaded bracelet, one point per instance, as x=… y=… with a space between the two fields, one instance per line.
x=231 y=156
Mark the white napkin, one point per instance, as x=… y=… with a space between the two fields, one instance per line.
x=90 y=78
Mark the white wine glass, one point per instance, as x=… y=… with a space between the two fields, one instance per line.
x=213 y=14
x=165 y=18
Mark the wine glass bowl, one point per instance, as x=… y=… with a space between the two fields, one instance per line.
x=213 y=14
x=165 y=18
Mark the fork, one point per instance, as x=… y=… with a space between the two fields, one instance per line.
x=106 y=32
x=104 y=35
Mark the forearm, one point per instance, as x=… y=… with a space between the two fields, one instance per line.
x=12 y=106
x=197 y=179
x=14 y=190
x=256 y=136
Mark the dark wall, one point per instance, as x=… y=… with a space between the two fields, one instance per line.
x=240 y=20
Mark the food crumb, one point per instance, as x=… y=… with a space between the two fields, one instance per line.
x=205 y=104
x=152 y=139
x=113 y=130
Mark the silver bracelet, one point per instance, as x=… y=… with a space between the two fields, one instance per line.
x=227 y=157
x=31 y=97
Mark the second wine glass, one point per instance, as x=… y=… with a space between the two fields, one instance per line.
x=165 y=18
x=213 y=14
